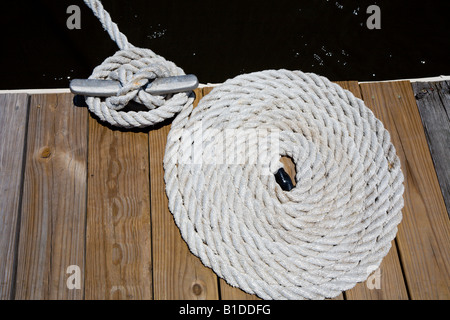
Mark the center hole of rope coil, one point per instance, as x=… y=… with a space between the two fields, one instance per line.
x=286 y=177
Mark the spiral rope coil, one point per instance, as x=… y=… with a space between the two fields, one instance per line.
x=313 y=242
x=320 y=238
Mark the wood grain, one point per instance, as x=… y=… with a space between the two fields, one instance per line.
x=129 y=248
x=423 y=235
x=392 y=285
x=118 y=232
x=177 y=273
x=54 y=199
x=433 y=101
x=13 y=121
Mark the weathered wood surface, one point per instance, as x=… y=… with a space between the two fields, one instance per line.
x=54 y=198
x=13 y=125
x=77 y=192
x=433 y=100
x=118 y=231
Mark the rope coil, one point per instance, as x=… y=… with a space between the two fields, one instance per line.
x=312 y=242
x=322 y=237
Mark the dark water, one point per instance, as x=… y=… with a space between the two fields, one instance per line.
x=217 y=40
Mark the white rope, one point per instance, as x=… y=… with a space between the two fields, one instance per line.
x=315 y=241
x=134 y=68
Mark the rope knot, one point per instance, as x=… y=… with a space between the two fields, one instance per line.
x=134 y=68
x=134 y=77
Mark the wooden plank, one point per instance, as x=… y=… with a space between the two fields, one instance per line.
x=392 y=285
x=423 y=235
x=177 y=273
x=13 y=120
x=118 y=232
x=54 y=199
x=433 y=101
x=352 y=86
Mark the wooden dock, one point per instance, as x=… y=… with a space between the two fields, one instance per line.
x=75 y=192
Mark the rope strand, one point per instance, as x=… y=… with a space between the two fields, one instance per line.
x=105 y=19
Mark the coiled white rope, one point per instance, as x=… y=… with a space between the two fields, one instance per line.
x=312 y=242
x=320 y=238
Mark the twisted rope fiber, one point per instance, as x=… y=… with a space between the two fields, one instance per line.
x=313 y=242
x=134 y=68
x=319 y=239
